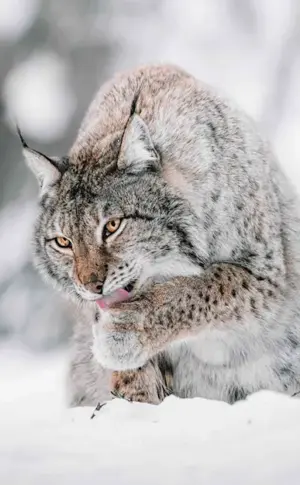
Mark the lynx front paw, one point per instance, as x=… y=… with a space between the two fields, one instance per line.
x=116 y=347
x=140 y=385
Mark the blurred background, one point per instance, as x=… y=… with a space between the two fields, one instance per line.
x=53 y=57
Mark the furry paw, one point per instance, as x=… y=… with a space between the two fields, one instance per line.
x=116 y=343
x=140 y=385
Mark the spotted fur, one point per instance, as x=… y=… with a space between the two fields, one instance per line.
x=210 y=236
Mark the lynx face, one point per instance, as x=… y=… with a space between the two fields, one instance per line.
x=109 y=227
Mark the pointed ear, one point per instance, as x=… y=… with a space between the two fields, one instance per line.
x=137 y=151
x=44 y=168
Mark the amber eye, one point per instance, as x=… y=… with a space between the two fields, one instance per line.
x=63 y=242
x=111 y=227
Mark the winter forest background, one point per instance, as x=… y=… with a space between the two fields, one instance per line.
x=54 y=55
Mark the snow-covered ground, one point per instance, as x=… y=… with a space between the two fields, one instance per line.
x=179 y=442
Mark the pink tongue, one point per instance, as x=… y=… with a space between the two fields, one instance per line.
x=115 y=297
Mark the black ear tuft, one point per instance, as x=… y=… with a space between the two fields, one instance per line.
x=24 y=144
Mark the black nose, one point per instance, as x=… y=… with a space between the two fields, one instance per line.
x=94 y=286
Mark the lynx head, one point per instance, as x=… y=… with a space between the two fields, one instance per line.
x=110 y=223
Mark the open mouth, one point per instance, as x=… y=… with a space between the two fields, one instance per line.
x=117 y=296
x=129 y=287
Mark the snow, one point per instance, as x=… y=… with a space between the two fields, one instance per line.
x=10 y=218
x=16 y=17
x=180 y=442
x=38 y=95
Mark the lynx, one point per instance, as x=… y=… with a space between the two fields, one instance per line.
x=175 y=233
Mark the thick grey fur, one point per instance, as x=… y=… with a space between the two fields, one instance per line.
x=203 y=199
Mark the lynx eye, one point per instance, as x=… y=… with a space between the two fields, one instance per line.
x=63 y=242
x=111 y=227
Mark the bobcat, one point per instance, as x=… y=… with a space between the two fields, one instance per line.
x=176 y=234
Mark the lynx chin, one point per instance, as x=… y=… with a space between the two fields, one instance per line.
x=177 y=236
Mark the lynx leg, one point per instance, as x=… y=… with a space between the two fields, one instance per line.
x=150 y=383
